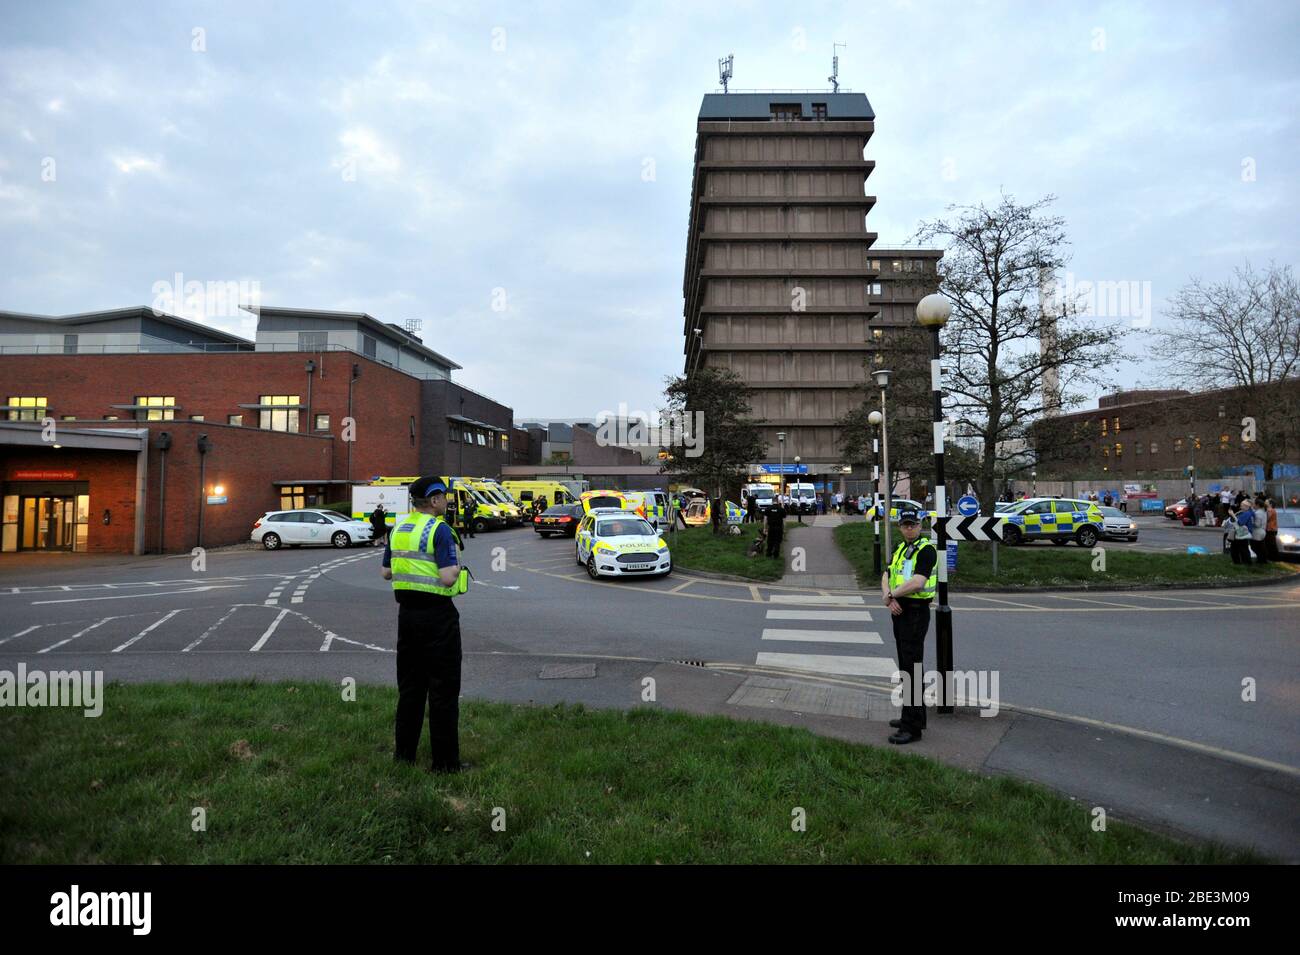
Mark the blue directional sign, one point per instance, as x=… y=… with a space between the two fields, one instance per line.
x=967 y=506
x=783 y=469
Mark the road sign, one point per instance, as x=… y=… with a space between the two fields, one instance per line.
x=968 y=506
x=952 y=555
x=974 y=528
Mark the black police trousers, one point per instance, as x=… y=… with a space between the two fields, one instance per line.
x=428 y=669
x=774 y=542
x=910 y=628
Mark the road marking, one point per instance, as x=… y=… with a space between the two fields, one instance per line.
x=1009 y=603
x=821 y=663
x=811 y=599
x=838 y=615
x=21 y=632
x=55 y=646
x=269 y=630
x=1105 y=603
x=823 y=636
x=682 y=586
x=204 y=635
x=146 y=630
x=753 y=592
x=157 y=593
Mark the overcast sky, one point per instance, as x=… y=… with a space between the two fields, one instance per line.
x=411 y=159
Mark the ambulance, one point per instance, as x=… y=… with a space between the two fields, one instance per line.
x=652 y=505
x=525 y=492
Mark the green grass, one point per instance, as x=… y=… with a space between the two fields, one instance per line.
x=696 y=548
x=1047 y=565
x=316 y=783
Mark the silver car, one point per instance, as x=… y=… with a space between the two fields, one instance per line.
x=278 y=529
x=1116 y=525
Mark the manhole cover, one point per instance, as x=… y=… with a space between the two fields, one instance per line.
x=568 y=671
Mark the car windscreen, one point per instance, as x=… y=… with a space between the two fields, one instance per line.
x=762 y=493
x=624 y=528
x=337 y=517
x=1113 y=512
x=1288 y=518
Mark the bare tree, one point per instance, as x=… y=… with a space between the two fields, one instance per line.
x=1008 y=337
x=1239 y=338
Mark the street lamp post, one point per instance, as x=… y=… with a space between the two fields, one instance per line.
x=1191 y=468
x=882 y=381
x=932 y=312
x=780 y=439
x=796 y=474
x=1034 y=477
x=876 y=418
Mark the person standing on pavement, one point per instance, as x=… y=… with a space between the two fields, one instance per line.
x=378 y=525
x=1270 y=529
x=1259 y=531
x=1239 y=530
x=907 y=587
x=775 y=527
x=751 y=509
x=422 y=563
x=469 y=512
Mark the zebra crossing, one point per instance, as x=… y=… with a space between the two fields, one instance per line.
x=823 y=619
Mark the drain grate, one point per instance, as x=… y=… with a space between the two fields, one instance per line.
x=690 y=663
x=568 y=671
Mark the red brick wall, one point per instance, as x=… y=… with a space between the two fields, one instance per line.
x=112 y=485
x=214 y=385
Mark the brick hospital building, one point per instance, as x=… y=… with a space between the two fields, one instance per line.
x=167 y=433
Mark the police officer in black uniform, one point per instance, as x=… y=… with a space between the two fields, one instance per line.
x=428 y=626
x=775 y=518
x=907 y=587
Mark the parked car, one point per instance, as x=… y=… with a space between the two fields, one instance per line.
x=1177 y=511
x=1116 y=525
x=558 y=520
x=309 y=527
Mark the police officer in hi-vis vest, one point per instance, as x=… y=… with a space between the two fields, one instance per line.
x=908 y=587
x=421 y=562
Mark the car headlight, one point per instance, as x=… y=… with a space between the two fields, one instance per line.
x=663 y=550
x=1132 y=527
x=1287 y=538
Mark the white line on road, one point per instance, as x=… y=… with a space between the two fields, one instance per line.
x=823 y=636
x=204 y=635
x=161 y=620
x=55 y=646
x=21 y=632
x=159 y=593
x=820 y=663
x=819 y=615
x=846 y=600
x=269 y=630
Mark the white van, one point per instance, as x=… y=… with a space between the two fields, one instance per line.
x=764 y=495
x=803 y=498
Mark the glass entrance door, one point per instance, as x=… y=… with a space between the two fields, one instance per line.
x=46 y=523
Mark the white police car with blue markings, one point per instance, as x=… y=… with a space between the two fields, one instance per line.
x=612 y=542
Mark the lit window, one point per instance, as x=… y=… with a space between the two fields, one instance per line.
x=110 y=417
x=1153 y=447
x=1223 y=441
x=1119 y=450
x=1178 y=444
x=1117 y=425
x=279 y=413
x=196 y=417
x=898 y=265
x=1196 y=442
x=155 y=407
x=482 y=439
x=321 y=423
x=1223 y=413
x=1105 y=451
x=1103 y=427
x=505 y=442
x=26 y=409
x=293 y=497
x=235 y=419
x=69 y=417
x=877 y=333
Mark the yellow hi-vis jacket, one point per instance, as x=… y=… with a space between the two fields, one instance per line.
x=900 y=568
x=412 y=563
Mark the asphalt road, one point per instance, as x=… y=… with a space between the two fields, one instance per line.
x=1170 y=663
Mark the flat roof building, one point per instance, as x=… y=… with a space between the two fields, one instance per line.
x=782 y=284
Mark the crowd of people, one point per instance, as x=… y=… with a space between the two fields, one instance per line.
x=1251 y=525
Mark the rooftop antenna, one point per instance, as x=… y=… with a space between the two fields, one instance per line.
x=724 y=70
x=412 y=326
x=835 y=67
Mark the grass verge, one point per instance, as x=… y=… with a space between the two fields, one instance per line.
x=1045 y=565
x=291 y=773
x=696 y=548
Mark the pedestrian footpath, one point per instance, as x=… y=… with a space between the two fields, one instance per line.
x=823 y=566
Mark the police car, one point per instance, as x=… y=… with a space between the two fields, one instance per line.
x=612 y=542
x=897 y=504
x=1059 y=520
